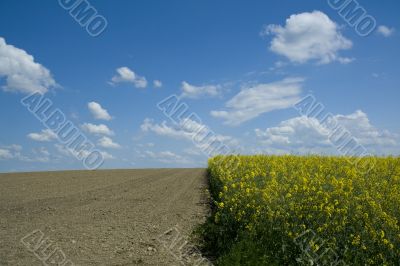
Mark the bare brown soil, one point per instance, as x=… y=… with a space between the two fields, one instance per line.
x=107 y=217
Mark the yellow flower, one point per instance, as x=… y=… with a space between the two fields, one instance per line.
x=330 y=195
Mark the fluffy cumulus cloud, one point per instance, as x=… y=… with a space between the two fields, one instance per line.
x=107 y=142
x=308 y=36
x=195 y=92
x=359 y=125
x=21 y=72
x=100 y=129
x=308 y=135
x=385 y=31
x=44 y=135
x=126 y=75
x=98 y=112
x=299 y=132
x=255 y=100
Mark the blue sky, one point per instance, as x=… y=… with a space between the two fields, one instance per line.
x=239 y=66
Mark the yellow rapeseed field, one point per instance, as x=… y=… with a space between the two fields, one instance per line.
x=306 y=210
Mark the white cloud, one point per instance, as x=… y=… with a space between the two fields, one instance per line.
x=106 y=155
x=42 y=151
x=107 y=142
x=255 y=100
x=199 y=134
x=188 y=129
x=165 y=130
x=5 y=154
x=14 y=147
x=296 y=132
x=166 y=157
x=308 y=36
x=195 y=92
x=40 y=154
x=278 y=65
x=21 y=72
x=385 y=31
x=307 y=135
x=126 y=75
x=359 y=125
x=45 y=135
x=100 y=129
x=345 y=60
x=98 y=112
x=157 y=83
x=63 y=150
x=13 y=152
